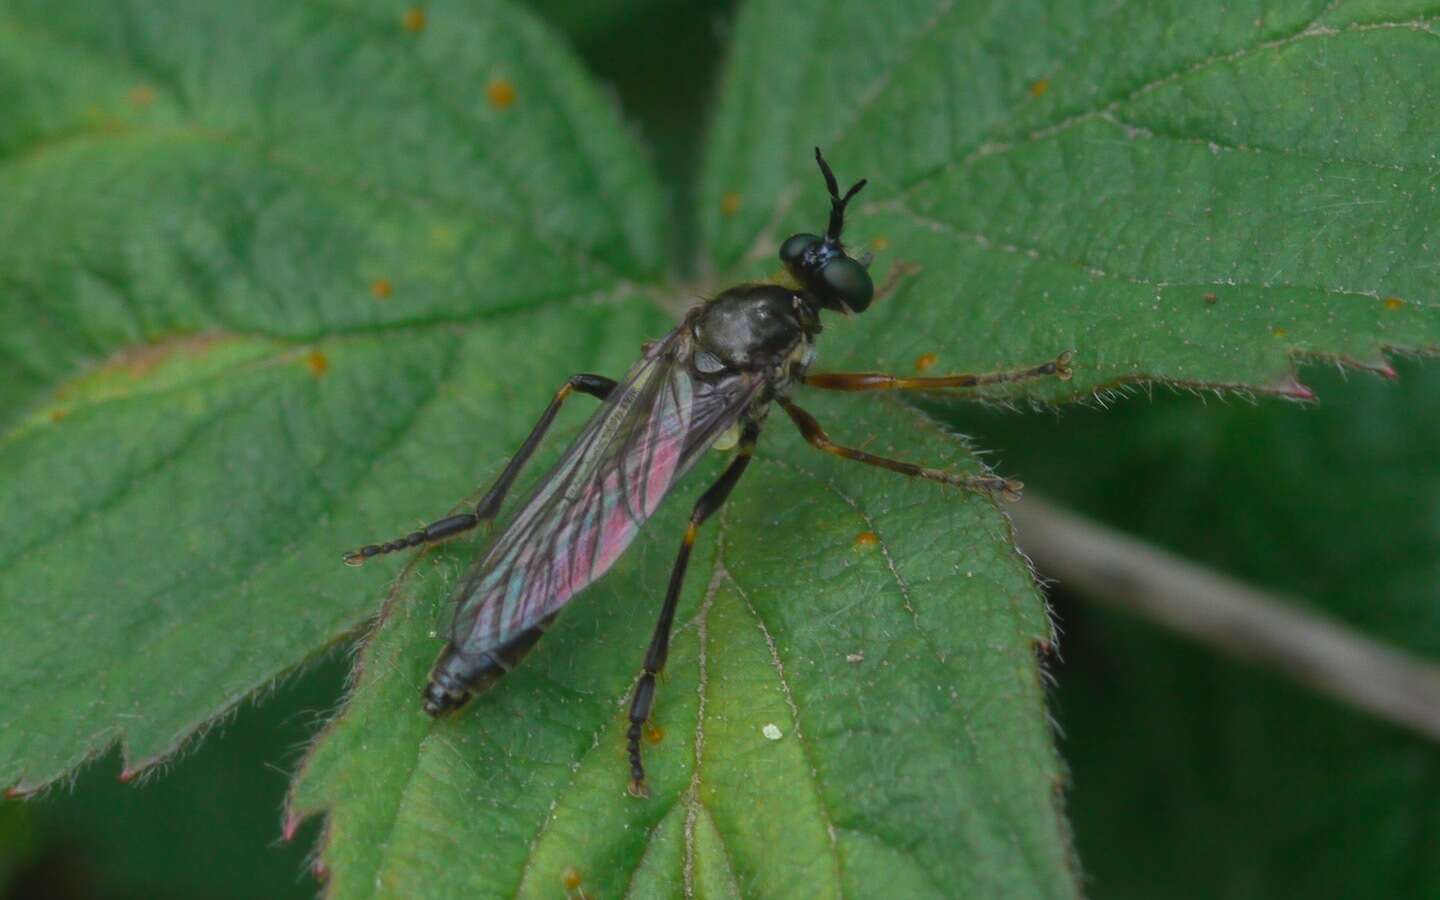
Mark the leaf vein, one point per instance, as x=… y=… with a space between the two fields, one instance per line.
x=986 y=146
x=805 y=748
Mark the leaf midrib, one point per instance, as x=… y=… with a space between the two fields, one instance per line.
x=291 y=347
x=925 y=636
x=1116 y=98
x=1030 y=251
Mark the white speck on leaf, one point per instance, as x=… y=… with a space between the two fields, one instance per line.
x=772 y=731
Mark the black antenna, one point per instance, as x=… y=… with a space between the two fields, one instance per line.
x=837 y=202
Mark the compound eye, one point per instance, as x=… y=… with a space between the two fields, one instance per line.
x=846 y=280
x=796 y=246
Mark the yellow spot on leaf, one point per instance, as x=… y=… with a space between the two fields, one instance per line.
x=1393 y=303
x=142 y=95
x=58 y=414
x=1279 y=332
x=924 y=361
x=501 y=93
x=317 y=363
x=655 y=734
x=381 y=288
x=881 y=242
x=570 y=878
x=866 y=539
x=729 y=204
x=414 y=20
x=1038 y=88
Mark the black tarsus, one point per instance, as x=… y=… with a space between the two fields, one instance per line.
x=489 y=505
x=837 y=202
x=644 y=698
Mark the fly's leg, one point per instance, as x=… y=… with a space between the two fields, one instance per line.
x=595 y=385
x=878 y=381
x=816 y=435
x=489 y=505
x=644 y=698
x=434 y=533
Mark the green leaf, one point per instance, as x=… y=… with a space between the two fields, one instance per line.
x=251 y=259
x=893 y=658
x=1179 y=192
x=101 y=838
x=1196 y=776
x=279 y=281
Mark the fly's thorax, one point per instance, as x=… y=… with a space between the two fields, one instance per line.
x=751 y=327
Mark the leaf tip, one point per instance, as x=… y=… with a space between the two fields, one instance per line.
x=1291 y=387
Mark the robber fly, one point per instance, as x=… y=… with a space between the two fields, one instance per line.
x=710 y=381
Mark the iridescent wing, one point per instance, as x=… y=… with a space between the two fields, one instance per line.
x=583 y=514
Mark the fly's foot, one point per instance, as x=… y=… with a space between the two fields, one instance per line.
x=638 y=788
x=1009 y=488
x=1062 y=365
x=358 y=557
x=434 y=533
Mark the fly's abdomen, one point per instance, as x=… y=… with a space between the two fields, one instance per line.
x=458 y=676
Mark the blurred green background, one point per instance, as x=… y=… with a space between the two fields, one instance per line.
x=1192 y=776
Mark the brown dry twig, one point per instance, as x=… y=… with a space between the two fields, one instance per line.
x=1310 y=648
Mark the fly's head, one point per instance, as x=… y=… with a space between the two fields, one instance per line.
x=829 y=277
